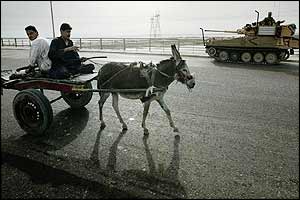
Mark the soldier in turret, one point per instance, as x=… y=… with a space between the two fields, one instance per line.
x=268 y=21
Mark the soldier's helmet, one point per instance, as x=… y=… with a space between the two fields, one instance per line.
x=269 y=14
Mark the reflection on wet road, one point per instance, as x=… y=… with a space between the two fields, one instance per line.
x=159 y=180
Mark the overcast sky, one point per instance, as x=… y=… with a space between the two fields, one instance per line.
x=132 y=18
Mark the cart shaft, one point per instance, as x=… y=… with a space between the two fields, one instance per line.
x=116 y=90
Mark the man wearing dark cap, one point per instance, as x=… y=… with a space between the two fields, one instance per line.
x=64 y=56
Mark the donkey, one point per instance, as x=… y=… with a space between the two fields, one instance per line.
x=117 y=75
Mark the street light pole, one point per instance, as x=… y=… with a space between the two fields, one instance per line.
x=52 y=19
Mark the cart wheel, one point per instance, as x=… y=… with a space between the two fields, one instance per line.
x=33 y=111
x=78 y=99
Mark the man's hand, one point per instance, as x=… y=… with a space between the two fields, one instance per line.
x=26 y=68
x=83 y=59
x=72 y=48
x=30 y=69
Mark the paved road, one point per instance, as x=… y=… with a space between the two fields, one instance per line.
x=239 y=138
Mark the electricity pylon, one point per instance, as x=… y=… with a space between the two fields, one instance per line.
x=155 y=26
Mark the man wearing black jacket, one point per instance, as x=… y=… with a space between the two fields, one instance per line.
x=64 y=56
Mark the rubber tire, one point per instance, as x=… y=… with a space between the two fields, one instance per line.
x=245 y=57
x=32 y=103
x=223 y=56
x=287 y=56
x=211 y=51
x=234 y=56
x=274 y=59
x=78 y=99
x=258 y=57
x=284 y=55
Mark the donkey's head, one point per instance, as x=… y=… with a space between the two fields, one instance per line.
x=183 y=74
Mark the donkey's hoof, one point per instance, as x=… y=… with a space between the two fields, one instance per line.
x=124 y=128
x=146 y=132
x=102 y=126
x=123 y=131
x=145 y=137
x=176 y=130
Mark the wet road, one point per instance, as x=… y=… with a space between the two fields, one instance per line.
x=239 y=138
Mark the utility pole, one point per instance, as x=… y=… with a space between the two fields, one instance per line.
x=52 y=19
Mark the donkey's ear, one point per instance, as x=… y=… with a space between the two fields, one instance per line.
x=175 y=54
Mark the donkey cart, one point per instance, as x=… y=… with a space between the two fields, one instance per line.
x=32 y=109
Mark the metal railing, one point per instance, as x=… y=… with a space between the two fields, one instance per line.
x=188 y=46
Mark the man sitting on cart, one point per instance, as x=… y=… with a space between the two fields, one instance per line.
x=64 y=56
x=38 y=55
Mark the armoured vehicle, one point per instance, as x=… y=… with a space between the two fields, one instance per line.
x=264 y=42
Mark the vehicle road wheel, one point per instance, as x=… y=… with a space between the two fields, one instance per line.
x=33 y=111
x=246 y=57
x=234 y=56
x=284 y=55
x=258 y=57
x=78 y=99
x=287 y=55
x=211 y=51
x=271 y=58
x=223 y=55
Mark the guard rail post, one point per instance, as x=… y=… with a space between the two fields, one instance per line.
x=124 y=44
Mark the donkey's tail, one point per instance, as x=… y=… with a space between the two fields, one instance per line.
x=98 y=81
